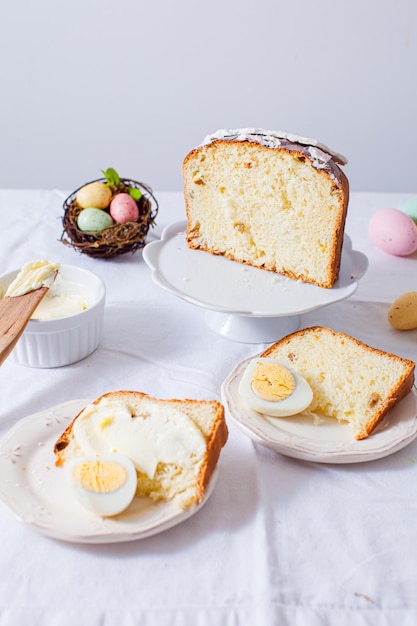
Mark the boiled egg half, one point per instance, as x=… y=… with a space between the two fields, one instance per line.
x=104 y=484
x=273 y=388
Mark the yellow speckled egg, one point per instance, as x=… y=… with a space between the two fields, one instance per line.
x=96 y=195
x=402 y=313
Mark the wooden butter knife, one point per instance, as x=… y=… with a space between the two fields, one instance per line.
x=15 y=313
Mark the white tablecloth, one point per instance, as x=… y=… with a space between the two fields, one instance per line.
x=280 y=541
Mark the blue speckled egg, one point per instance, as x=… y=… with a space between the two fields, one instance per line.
x=92 y=220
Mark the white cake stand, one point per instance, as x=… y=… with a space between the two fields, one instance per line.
x=244 y=303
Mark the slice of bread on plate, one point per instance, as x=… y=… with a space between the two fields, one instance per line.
x=174 y=444
x=268 y=199
x=351 y=381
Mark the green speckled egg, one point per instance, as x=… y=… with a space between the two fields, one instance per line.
x=92 y=220
x=410 y=208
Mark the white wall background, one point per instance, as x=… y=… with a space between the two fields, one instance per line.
x=135 y=84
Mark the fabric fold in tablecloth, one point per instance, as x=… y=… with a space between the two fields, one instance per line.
x=280 y=542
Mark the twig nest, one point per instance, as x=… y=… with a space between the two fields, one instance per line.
x=108 y=216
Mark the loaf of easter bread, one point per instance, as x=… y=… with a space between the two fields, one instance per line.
x=268 y=199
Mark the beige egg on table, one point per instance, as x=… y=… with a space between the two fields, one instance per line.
x=402 y=313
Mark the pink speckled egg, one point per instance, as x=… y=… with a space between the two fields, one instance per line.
x=393 y=231
x=124 y=209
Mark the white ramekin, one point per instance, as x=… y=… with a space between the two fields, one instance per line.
x=64 y=340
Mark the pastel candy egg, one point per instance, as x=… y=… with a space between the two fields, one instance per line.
x=92 y=220
x=94 y=195
x=124 y=209
x=410 y=208
x=402 y=313
x=393 y=231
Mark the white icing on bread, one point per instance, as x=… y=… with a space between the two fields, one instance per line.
x=274 y=139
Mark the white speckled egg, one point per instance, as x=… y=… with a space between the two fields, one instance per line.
x=394 y=232
x=124 y=209
x=402 y=313
x=92 y=220
x=94 y=195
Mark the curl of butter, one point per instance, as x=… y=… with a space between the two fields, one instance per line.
x=272 y=382
x=32 y=276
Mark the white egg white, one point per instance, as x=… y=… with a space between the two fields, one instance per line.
x=297 y=402
x=109 y=503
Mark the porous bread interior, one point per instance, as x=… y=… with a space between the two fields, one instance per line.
x=267 y=207
x=183 y=485
x=351 y=381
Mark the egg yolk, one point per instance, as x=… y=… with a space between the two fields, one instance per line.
x=100 y=476
x=272 y=382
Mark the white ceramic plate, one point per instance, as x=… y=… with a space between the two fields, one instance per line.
x=37 y=493
x=327 y=442
x=219 y=284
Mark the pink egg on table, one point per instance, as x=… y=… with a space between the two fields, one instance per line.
x=124 y=209
x=393 y=231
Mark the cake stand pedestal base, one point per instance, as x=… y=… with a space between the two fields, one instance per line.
x=250 y=329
